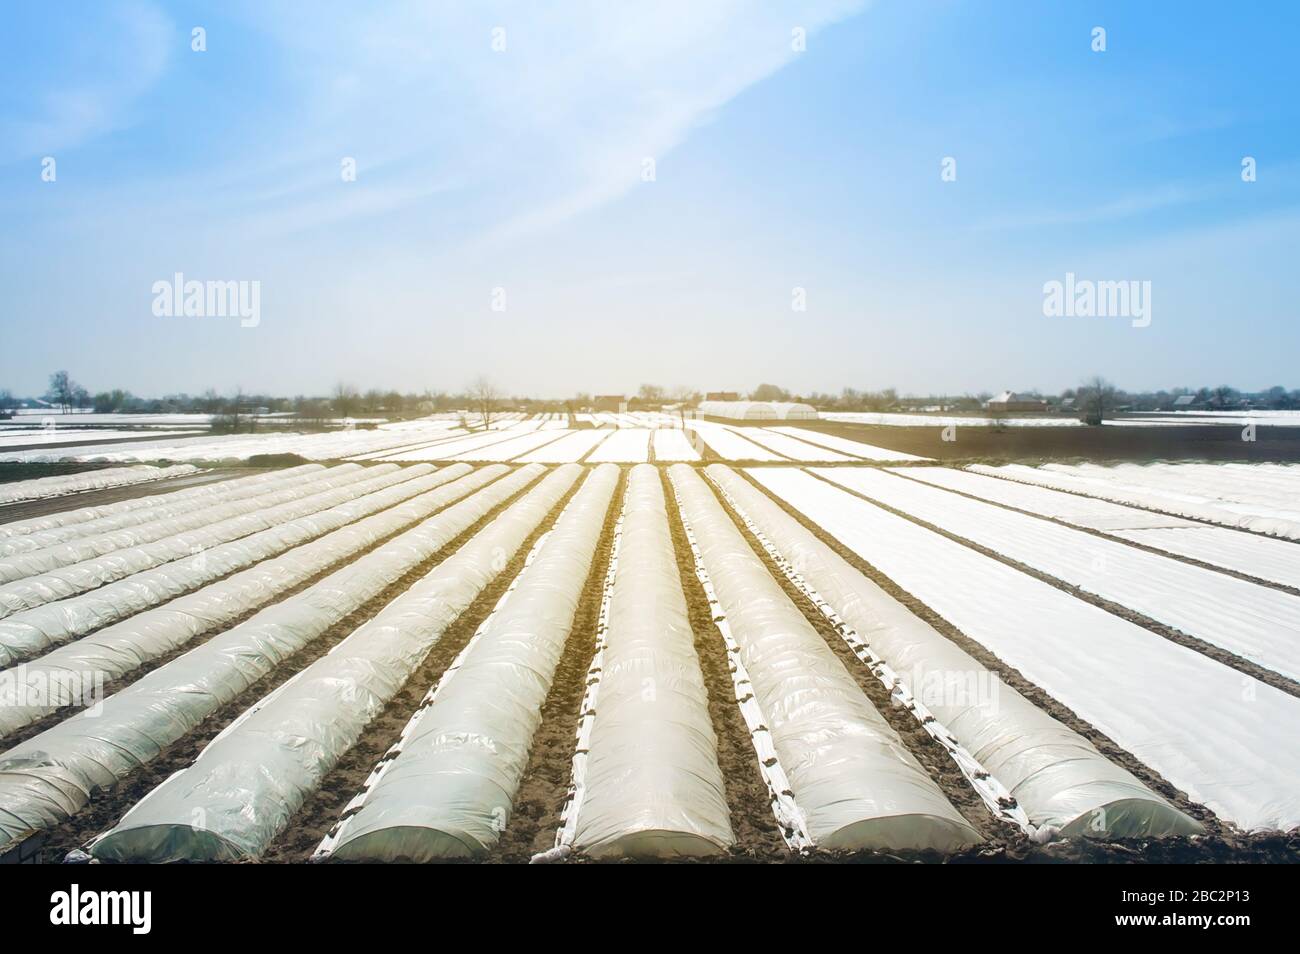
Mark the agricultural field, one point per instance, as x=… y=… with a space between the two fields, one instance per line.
x=643 y=637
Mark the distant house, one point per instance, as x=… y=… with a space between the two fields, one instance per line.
x=1011 y=401
x=722 y=396
x=1184 y=402
x=608 y=402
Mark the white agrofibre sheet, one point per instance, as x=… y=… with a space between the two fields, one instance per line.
x=87 y=575
x=624 y=446
x=844 y=445
x=729 y=445
x=567 y=450
x=855 y=782
x=788 y=446
x=1087 y=512
x=250 y=780
x=134 y=634
x=673 y=445
x=1268 y=490
x=652 y=786
x=1056 y=775
x=1224 y=738
x=1277 y=561
x=445 y=790
x=513 y=448
x=38 y=532
x=1256 y=622
x=42 y=560
x=1266 y=558
x=444 y=450
x=1150 y=498
x=53 y=774
x=42 y=487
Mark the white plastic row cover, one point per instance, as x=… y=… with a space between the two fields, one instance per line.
x=1224 y=738
x=42 y=487
x=1056 y=775
x=87 y=575
x=148 y=509
x=58 y=678
x=249 y=781
x=1258 y=623
x=653 y=788
x=22 y=565
x=51 y=775
x=854 y=780
x=1148 y=498
x=446 y=790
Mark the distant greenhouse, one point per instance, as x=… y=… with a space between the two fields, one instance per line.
x=791 y=411
x=739 y=410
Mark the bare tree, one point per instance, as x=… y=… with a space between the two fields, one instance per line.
x=769 y=392
x=1096 y=398
x=651 y=394
x=345 y=398
x=63 y=390
x=484 y=396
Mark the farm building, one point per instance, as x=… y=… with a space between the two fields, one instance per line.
x=1011 y=401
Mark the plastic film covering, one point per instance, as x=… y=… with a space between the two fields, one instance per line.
x=1224 y=738
x=42 y=487
x=22 y=565
x=87 y=575
x=1056 y=775
x=854 y=780
x=652 y=787
x=246 y=785
x=1221 y=513
x=51 y=775
x=158 y=507
x=39 y=687
x=446 y=788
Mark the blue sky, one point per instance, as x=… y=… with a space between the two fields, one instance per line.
x=522 y=170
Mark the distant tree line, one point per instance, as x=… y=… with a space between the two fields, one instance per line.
x=1094 y=400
